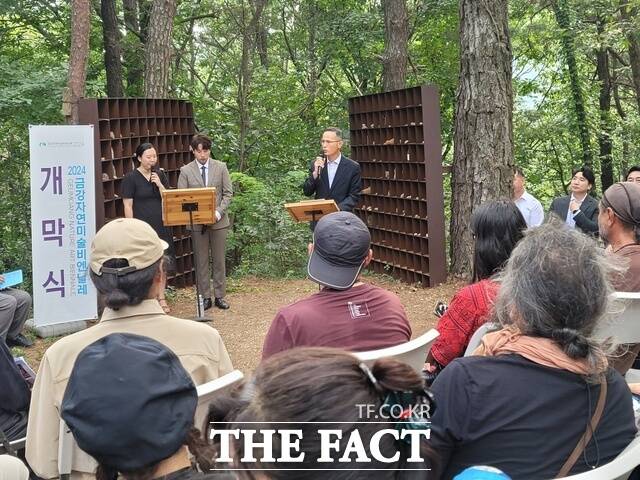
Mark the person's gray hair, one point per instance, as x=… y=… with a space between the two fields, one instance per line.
x=335 y=130
x=556 y=285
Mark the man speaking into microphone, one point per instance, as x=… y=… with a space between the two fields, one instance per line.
x=332 y=175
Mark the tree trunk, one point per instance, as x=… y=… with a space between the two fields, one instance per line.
x=158 y=49
x=396 y=39
x=133 y=52
x=483 y=138
x=561 y=11
x=633 y=39
x=260 y=32
x=604 y=134
x=112 y=52
x=80 y=28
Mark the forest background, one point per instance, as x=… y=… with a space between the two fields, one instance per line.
x=266 y=76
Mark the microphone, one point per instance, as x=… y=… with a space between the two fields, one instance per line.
x=155 y=169
x=320 y=167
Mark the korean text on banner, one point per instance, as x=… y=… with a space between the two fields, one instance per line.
x=63 y=220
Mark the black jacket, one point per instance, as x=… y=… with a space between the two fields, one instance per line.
x=586 y=220
x=346 y=186
x=14 y=392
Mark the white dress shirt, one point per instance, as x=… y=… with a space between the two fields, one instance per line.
x=206 y=171
x=531 y=209
x=569 y=221
x=332 y=167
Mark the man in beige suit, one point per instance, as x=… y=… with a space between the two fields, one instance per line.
x=205 y=171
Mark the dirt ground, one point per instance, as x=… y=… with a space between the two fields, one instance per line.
x=254 y=302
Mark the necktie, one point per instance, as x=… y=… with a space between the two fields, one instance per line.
x=204 y=175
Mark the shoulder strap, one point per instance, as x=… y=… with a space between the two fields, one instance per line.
x=586 y=436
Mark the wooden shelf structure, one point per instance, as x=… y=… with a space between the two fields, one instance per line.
x=395 y=136
x=120 y=125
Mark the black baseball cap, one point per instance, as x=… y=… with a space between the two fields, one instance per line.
x=129 y=402
x=340 y=245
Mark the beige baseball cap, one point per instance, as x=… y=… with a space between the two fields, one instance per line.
x=128 y=238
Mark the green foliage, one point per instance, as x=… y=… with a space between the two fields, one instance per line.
x=264 y=240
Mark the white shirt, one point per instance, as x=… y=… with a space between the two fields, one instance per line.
x=206 y=182
x=332 y=167
x=206 y=171
x=569 y=221
x=531 y=209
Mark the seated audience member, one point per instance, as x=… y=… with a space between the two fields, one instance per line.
x=497 y=227
x=125 y=261
x=532 y=390
x=619 y=224
x=308 y=386
x=14 y=397
x=633 y=175
x=12 y=468
x=529 y=206
x=129 y=403
x=346 y=313
x=14 y=309
x=579 y=210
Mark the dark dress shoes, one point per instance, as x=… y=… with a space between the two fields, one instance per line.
x=221 y=304
x=207 y=303
x=19 y=341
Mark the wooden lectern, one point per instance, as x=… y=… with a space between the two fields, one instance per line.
x=190 y=206
x=311 y=210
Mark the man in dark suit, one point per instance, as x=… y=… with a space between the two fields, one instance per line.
x=579 y=210
x=334 y=176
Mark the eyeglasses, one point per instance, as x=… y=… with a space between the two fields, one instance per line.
x=329 y=141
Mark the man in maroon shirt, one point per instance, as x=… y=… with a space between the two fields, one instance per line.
x=346 y=313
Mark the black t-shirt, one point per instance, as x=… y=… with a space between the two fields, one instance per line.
x=524 y=418
x=147 y=202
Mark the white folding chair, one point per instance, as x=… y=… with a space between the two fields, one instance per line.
x=618 y=469
x=476 y=338
x=208 y=391
x=413 y=352
x=625 y=326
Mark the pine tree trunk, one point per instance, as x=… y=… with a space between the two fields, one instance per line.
x=133 y=51
x=158 y=49
x=483 y=138
x=604 y=135
x=112 y=51
x=561 y=11
x=396 y=38
x=80 y=28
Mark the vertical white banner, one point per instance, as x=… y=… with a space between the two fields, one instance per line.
x=63 y=220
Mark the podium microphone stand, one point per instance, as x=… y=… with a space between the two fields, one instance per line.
x=190 y=206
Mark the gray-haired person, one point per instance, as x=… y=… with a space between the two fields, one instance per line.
x=527 y=396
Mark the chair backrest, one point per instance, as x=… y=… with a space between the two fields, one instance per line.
x=623 y=327
x=413 y=352
x=618 y=469
x=474 y=342
x=208 y=391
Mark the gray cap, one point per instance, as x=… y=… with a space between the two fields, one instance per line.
x=340 y=245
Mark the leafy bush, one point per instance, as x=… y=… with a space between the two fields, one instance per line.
x=264 y=240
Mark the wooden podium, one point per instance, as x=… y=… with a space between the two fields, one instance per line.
x=190 y=206
x=311 y=210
